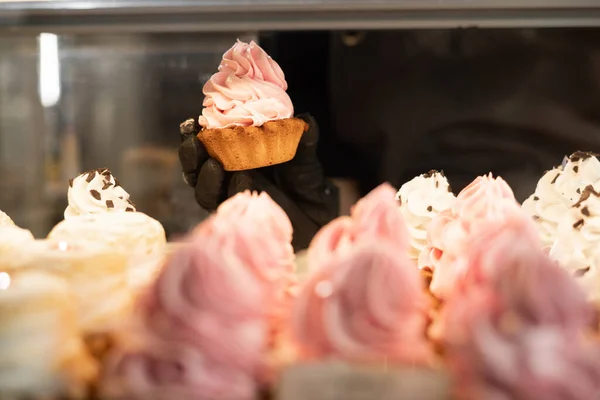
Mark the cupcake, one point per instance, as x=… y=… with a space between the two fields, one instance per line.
x=421 y=199
x=558 y=190
x=516 y=329
x=41 y=353
x=361 y=315
x=97 y=278
x=247 y=120
x=200 y=331
x=13 y=238
x=101 y=214
x=5 y=219
x=483 y=202
x=577 y=244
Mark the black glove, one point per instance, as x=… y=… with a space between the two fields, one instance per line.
x=298 y=186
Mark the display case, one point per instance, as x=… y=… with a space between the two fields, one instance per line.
x=105 y=83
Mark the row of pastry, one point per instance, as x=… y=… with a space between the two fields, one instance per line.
x=416 y=278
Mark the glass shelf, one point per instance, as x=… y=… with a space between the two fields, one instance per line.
x=244 y=15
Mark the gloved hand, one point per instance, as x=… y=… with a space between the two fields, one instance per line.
x=298 y=186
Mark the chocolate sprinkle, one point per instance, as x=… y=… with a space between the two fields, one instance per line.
x=555 y=178
x=581 y=155
x=429 y=208
x=71 y=182
x=576 y=168
x=581 y=272
x=535 y=198
x=431 y=173
x=110 y=204
x=130 y=203
x=117 y=183
x=578 y=191
x=107 y=184
x=106 y=172
x=587 y=192
x=121 y=197
x=90 y=176
x=585 y=211
x=129 y=209
x=96 y=194
x=437 y=184
x=400 y=200
x=536 y=217
x=578 y=223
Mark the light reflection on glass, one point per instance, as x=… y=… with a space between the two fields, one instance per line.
x=4 y=281
x=49 y=73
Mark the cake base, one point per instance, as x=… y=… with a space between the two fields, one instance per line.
x=240 y=148
x=337 y=380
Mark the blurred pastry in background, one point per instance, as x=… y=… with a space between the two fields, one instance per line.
x=248 y=118
x=41 y=353
x=577 y=244
x=12 y=237
x=421 y=199
x=558 y=190
x=5 y=219
x=100 y=214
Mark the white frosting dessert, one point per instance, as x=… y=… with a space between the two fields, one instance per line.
x=421 y=199
x=577 y=246
x=101 y=214
x=12 y=237
x=97 y=277
x=96 y=192
x=5 y=219
x=41 y=352
x=133 y=234
x=558 y=190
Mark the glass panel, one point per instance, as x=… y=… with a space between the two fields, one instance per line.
x=71 y=103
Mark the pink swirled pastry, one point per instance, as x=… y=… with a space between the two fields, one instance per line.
x=375 y=216
x=484 y=202
x=518 y=333
x=364 y=305
x=201 y=325
x=247 y=120
x=249 y=89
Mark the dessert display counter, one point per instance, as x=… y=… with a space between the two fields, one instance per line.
x=239 y=15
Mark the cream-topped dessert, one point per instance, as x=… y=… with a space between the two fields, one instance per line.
x=577 y=245
x=41 y=352
x=5 y=219
x=558 y=190
x=97 y=277
x=101 y=214
x=12 y=237
x=96 y=192
x=421 y=199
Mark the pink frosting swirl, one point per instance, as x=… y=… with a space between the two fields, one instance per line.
x=375 y=216
x=205 y=313
x=518 y=332
x=480 y=205
x=366 y=305
x=249 y=89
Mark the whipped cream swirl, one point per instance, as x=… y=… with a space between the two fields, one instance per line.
x=249 y=89
x=577 y=245
x=421 y=199
x=5 y=219
x=558 y=190
x=96 y=192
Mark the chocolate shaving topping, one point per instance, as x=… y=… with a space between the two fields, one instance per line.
x=555 y=178
x=535 y=198
x=117 y=183
x=585 y=211
x=581 y=272
x=431 y=173
x=578 y=191
x=587 y=192
x=129 y=209
x=581 y=155
x=121 y=197
x=71 y=182
x=437 y=184
x=110 y=204
x=578 y=223
x=576 y=168
x=90 y=176
x=106 y=172
x=536 y=217
x=107 y=184
x=96 y=194
x=429 y=208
